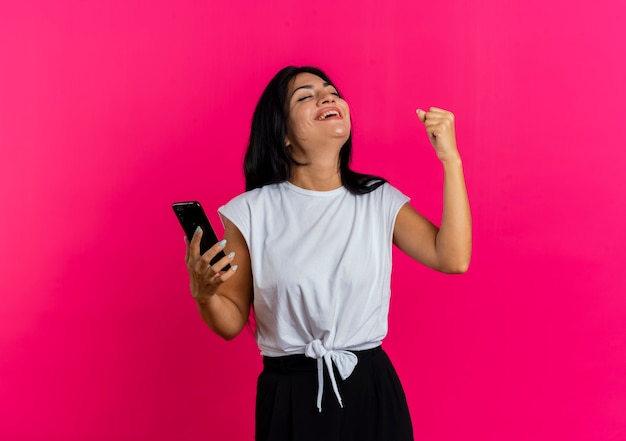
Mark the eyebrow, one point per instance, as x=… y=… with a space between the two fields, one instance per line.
x=308 y=86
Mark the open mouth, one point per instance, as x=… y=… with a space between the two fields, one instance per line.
x=329 y=114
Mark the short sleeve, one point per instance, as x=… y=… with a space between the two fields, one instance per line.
x=393 y=200
x=238 y=212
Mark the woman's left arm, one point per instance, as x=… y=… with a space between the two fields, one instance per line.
x=447 y=248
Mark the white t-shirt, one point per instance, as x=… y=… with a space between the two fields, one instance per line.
x=321 y=267
x=321 y=264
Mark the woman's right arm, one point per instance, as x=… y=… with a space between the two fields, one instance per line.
x=223 y=298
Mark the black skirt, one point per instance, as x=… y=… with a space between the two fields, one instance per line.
x=374 y=404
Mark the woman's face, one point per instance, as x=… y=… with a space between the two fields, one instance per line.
x=316 y=115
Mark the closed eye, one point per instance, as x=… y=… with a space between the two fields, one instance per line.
x=304 y=97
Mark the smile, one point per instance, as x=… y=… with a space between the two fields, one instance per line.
x=329 y=114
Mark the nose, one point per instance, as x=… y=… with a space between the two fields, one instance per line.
x=326 y=98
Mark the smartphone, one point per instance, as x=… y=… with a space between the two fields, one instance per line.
x=191 y=215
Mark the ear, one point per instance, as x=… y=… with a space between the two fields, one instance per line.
x=287 y=141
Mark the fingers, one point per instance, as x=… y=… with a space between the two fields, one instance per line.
x=194 y=246
x=439 y=124
x=203 y=262
x=206 y=284
x=436 y=120
x=224 y=276
x=194 y=260
x=434 y=113
x=438 y=110
x=206 y=277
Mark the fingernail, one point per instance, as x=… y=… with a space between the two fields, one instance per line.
x=234 y=267
x=221 y=243
x=231 y=255
x=198 y=230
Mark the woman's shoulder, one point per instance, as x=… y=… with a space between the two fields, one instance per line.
x=388 y=190
x=254 y=195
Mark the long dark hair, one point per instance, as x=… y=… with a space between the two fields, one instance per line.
x=268 y=160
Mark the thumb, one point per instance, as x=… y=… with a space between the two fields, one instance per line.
x=421 y=115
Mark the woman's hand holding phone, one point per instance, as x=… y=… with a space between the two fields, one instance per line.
x=205 y=279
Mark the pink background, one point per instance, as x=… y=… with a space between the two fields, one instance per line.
x=112 y=110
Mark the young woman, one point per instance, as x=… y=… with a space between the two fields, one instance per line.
x=310 y=247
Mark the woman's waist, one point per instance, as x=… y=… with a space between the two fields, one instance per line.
x=303 y=363
x=297 y=343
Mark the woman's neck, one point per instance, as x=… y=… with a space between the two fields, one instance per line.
x=311 y=177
